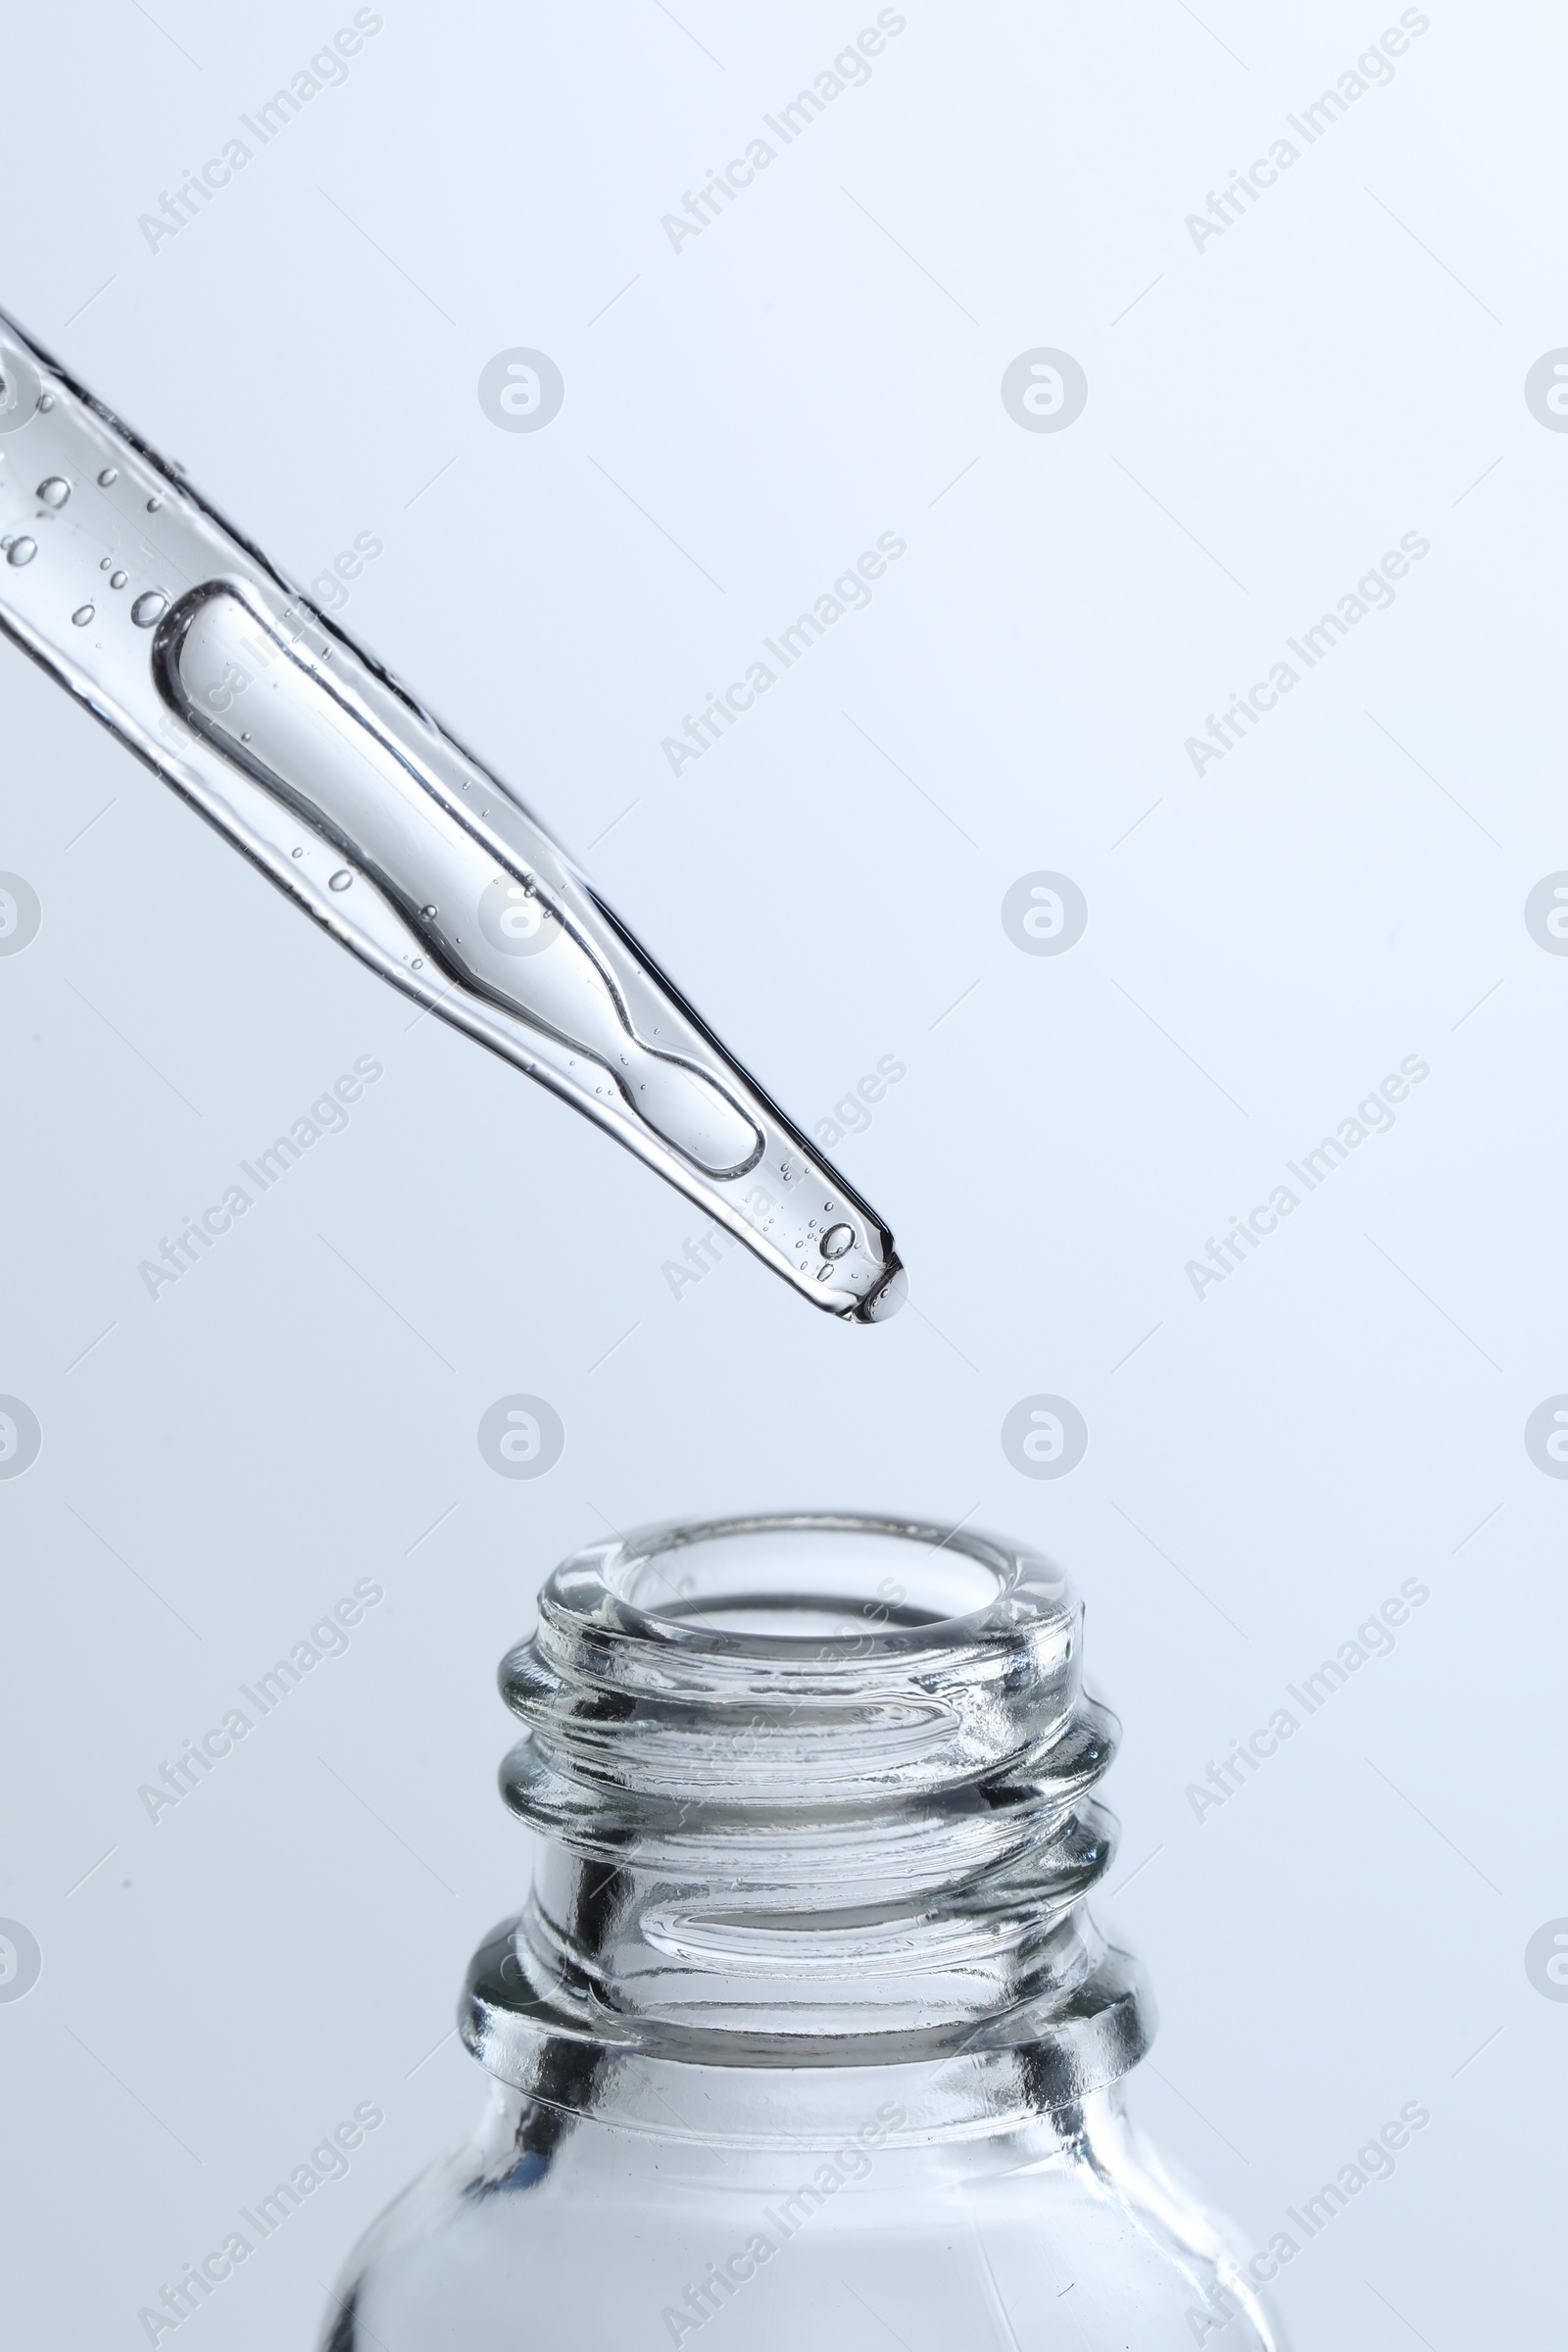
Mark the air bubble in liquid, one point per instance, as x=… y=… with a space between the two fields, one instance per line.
x=55 y=491
x=341 y=879
x=837 y=1240
x=429 y=913
x=109 y=473
x=21 y=550
x=82 y=615
x=153 y=504
x=146 y=609
x=118 y=579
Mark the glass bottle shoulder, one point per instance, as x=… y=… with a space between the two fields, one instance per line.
x=548 y=2230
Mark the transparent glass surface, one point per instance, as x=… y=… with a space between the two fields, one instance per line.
x=135 y=595
x=805 y=2033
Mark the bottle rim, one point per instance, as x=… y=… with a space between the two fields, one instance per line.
x=807 y=1588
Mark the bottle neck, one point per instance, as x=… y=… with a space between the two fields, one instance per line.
x=816 y=1798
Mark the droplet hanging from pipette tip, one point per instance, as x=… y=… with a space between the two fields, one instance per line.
x=885 y=1302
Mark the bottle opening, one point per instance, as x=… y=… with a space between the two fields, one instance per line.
x=812 y=1581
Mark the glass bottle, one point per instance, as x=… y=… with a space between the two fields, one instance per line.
x=805 y=2035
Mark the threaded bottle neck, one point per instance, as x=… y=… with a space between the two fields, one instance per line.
x=815 y=1793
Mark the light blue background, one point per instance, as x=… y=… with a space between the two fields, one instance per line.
x=1342 y=367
